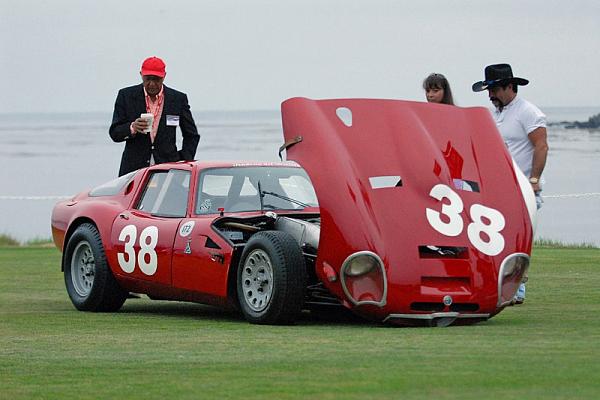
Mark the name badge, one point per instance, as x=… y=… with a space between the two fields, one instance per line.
x=172 y=120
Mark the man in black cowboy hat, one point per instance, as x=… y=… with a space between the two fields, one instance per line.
x=522 y=126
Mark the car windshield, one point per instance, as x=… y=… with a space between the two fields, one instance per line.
x=237 y=189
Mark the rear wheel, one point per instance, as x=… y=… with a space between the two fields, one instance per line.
x=88 y=278
x=271 y=279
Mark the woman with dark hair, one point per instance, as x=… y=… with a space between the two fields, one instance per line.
x=437 y=89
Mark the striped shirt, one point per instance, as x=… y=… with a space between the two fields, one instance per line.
x=156 y=108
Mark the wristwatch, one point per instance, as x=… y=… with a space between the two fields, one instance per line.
x=533 y=180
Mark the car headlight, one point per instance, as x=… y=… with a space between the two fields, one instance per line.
x=363 y=279
x=513 y=269
x=361 y=264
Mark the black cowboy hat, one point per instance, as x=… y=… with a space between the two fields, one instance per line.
x=498 y=74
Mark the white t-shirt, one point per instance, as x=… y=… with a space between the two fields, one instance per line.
x=515 y=122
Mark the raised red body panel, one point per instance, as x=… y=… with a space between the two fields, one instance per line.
x=425 y=145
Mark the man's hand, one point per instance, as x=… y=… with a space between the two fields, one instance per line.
x=540 y=152
x=140 y=124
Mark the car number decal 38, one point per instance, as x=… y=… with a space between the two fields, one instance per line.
x=146 y=258
x=484 y=220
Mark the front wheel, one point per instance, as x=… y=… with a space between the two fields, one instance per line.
x=271 y=279
x=88 y=278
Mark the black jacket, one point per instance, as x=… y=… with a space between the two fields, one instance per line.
x=130 y=104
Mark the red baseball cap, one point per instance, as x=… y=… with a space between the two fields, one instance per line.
x=153 y=66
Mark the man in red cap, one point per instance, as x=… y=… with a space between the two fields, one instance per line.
x=150 y=139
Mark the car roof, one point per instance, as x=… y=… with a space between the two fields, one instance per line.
x=230 y=164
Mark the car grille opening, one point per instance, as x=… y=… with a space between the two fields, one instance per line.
x=439 y=307
x=427 y=306
x=464 y=307
x=467 y=186
x=432 y=251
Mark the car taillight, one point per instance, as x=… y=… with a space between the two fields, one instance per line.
x=512 y=270
x=363 y=279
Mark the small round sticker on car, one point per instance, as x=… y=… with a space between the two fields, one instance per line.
x=186 y=228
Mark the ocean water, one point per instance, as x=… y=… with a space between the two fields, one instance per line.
x=62 y=154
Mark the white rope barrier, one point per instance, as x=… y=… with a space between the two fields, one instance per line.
x=571 y=195
x=34 y=197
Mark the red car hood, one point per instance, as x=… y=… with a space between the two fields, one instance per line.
x=426 y=146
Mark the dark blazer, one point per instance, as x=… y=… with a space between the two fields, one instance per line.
x=130 y=104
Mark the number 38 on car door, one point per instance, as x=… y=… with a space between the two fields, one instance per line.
x=143 y=237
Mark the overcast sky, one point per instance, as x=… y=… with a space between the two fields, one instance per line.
x=67 y=55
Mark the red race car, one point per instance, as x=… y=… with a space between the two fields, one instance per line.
x=414 y=214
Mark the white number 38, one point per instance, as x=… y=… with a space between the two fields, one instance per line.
x=494 y=221
x=148 y=240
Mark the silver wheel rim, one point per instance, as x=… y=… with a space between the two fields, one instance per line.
x=257 y=280
x=83 y=268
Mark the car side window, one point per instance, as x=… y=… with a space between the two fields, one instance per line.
x=113 y=187
x=166 y=193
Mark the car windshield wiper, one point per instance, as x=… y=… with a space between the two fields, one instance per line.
x=261 y=196
x=282 y=197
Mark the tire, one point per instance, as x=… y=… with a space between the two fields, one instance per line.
x=271 y=279
x=88 y=278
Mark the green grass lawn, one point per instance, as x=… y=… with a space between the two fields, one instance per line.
x=549 y=348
